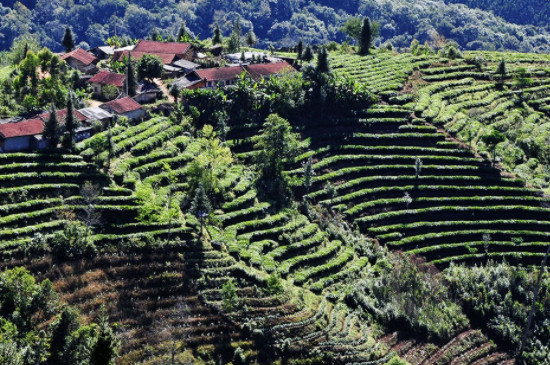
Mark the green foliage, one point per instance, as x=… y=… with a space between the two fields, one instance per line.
x=68 y=40
x=210 y=164
x=308 y=54
x=409 y=293
x=274 y=286
x=130 y=82
x=149 y=67
x=157 y=204
x=72 y=242
x=109 y=92
x=322 y=61
x=70 y=123
x=200 y=205
x=52 y=131
x=275 y=145
x=230 y=300
x=25 y=337
x=365 y=38
x=498 y=295
x=217 y=38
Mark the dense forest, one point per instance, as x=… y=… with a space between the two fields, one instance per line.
x=278 y=23
x=535 y=12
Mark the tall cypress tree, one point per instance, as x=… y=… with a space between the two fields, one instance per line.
x=217 y=38
x=501 y=70
x=299 y=50
x=131 y=78
x=365 y=40
x=308 y=54
x=322 y=61
x=51 y=129
x=182 y=32
x=70 y=123
x=68 y=40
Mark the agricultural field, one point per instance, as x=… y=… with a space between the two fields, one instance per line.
x=196 y=263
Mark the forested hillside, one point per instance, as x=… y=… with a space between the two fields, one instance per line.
x=276 y=22
x=535 y=12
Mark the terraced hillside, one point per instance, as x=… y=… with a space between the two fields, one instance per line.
x=285 y=284
x=469 y=99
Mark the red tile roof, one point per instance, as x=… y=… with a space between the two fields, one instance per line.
x=80 y=55
x=108 y=78
x=162 y=47
x=124 y=105
x=261 y=70
x=62 y=115
x=29 y=127
x=167 y=58
x=219 y=74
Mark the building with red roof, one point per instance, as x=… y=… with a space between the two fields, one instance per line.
x=104 y=78
x=215 y=77
x=83 y=61
x=180 y=50
x=19 y=136
x=126 y=107
x=62 y=115
x=260 y=71
x=167 y=58
x=227 y=76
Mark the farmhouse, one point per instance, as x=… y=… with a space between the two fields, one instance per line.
x=262 y=71
x=18 y=136
x=214 y=77
x=62 y=116
x=180 y=50
x=105 y=78
x=227 y=76
x=81 y=60
x=125 y=107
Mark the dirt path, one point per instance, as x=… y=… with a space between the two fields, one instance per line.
x=161 y=85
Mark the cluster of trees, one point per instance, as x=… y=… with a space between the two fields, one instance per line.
x=410 y=294
x=279 y=23
x=278 y=105
x=37 y=329
x=499 y=297
x=38 y=79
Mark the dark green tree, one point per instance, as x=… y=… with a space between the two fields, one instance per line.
x=182 y=33
x=51 y=129
x=323 y=65
x=491 y=140
x=230 y=299
x=70 y=123
x=217 y=37
x=308 y=174
x=105 y=348
x=155 y=35
x=365 y=40
x=62 y=329
x=175 y=92
x=299 y=50
x=251 y=38
x=131 y=83
x=68 y=40
x=149 y=67
x=308 y=54
x=501 y=71
x=201 y=206
x=276 y=145
x=352 y=28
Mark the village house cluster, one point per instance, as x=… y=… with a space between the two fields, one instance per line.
x=181 y=64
